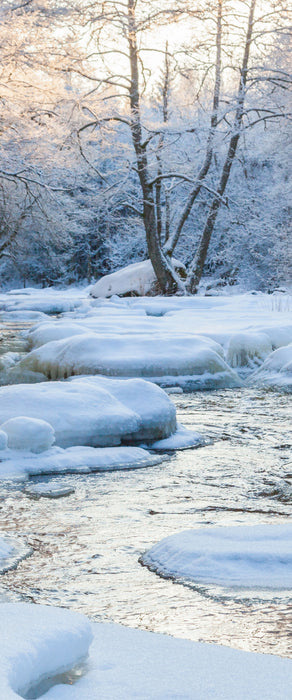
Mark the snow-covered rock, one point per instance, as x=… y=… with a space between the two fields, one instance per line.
x=257 y=556
x=50 y=490
x=276 y=371
x=38 y=643
x=30 y=434
x=81 y=460
x=95 y=411
x=160 y=358
x=138 y=279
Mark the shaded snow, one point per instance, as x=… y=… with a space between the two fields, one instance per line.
x=257 y=556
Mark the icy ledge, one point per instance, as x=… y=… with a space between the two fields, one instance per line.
x=251 y=557
x=40 y=642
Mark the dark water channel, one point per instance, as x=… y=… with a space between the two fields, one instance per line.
x=87 y=545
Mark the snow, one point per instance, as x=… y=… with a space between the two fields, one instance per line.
x=133 y=355
x=37 y=641
x=180 y=440
x=40 y=642
x=137 y=278
x=276 y=371
x=19 y=465
x=257 y=556
x=3 y=440
x=95 y=411
x=30 y=434
x=48 y=301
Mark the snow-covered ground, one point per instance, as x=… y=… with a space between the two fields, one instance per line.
x=192 y=342
x=123 y=663
x=259 y=556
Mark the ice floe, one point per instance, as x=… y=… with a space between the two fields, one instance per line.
x=81 y=460
x=40 y=644
x=257 y=556
x=182 y=439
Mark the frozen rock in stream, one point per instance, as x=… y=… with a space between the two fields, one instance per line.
x=276 y=371
x=182 y=439
x=95 y=411
x=137 y=279
x=252 y=556
x=189 y=359
x=49 y=490
x=80 y=460
x=31 y=434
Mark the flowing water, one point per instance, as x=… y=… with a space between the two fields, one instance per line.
x=87 y=545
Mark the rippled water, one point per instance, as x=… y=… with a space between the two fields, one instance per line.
x=87 y=546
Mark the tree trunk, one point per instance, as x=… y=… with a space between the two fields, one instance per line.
x=196 y=270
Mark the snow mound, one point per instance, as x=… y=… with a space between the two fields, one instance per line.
x=95 y=411
x=20 y=465
x=276 y=371
x=136 y=355
x=36 y=642
x=251 y=557
x=30 y=434
x=137 y=279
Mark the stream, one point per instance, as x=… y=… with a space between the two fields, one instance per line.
x=86 y=546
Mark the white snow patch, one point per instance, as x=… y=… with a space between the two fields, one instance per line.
x=28 y=434
x=257 y=556
x=40 y=642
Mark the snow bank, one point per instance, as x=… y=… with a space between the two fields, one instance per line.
x=94 y=411
x=30 y=434
x=138 y=278
x=276 y=371
x=40 y=642
x=48 y=301
x=157 y=357
x=257 y=556
x=19 y=465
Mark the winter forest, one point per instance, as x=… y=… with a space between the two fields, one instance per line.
x=146 y=129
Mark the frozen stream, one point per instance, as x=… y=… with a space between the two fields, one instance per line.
x=87 y=545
